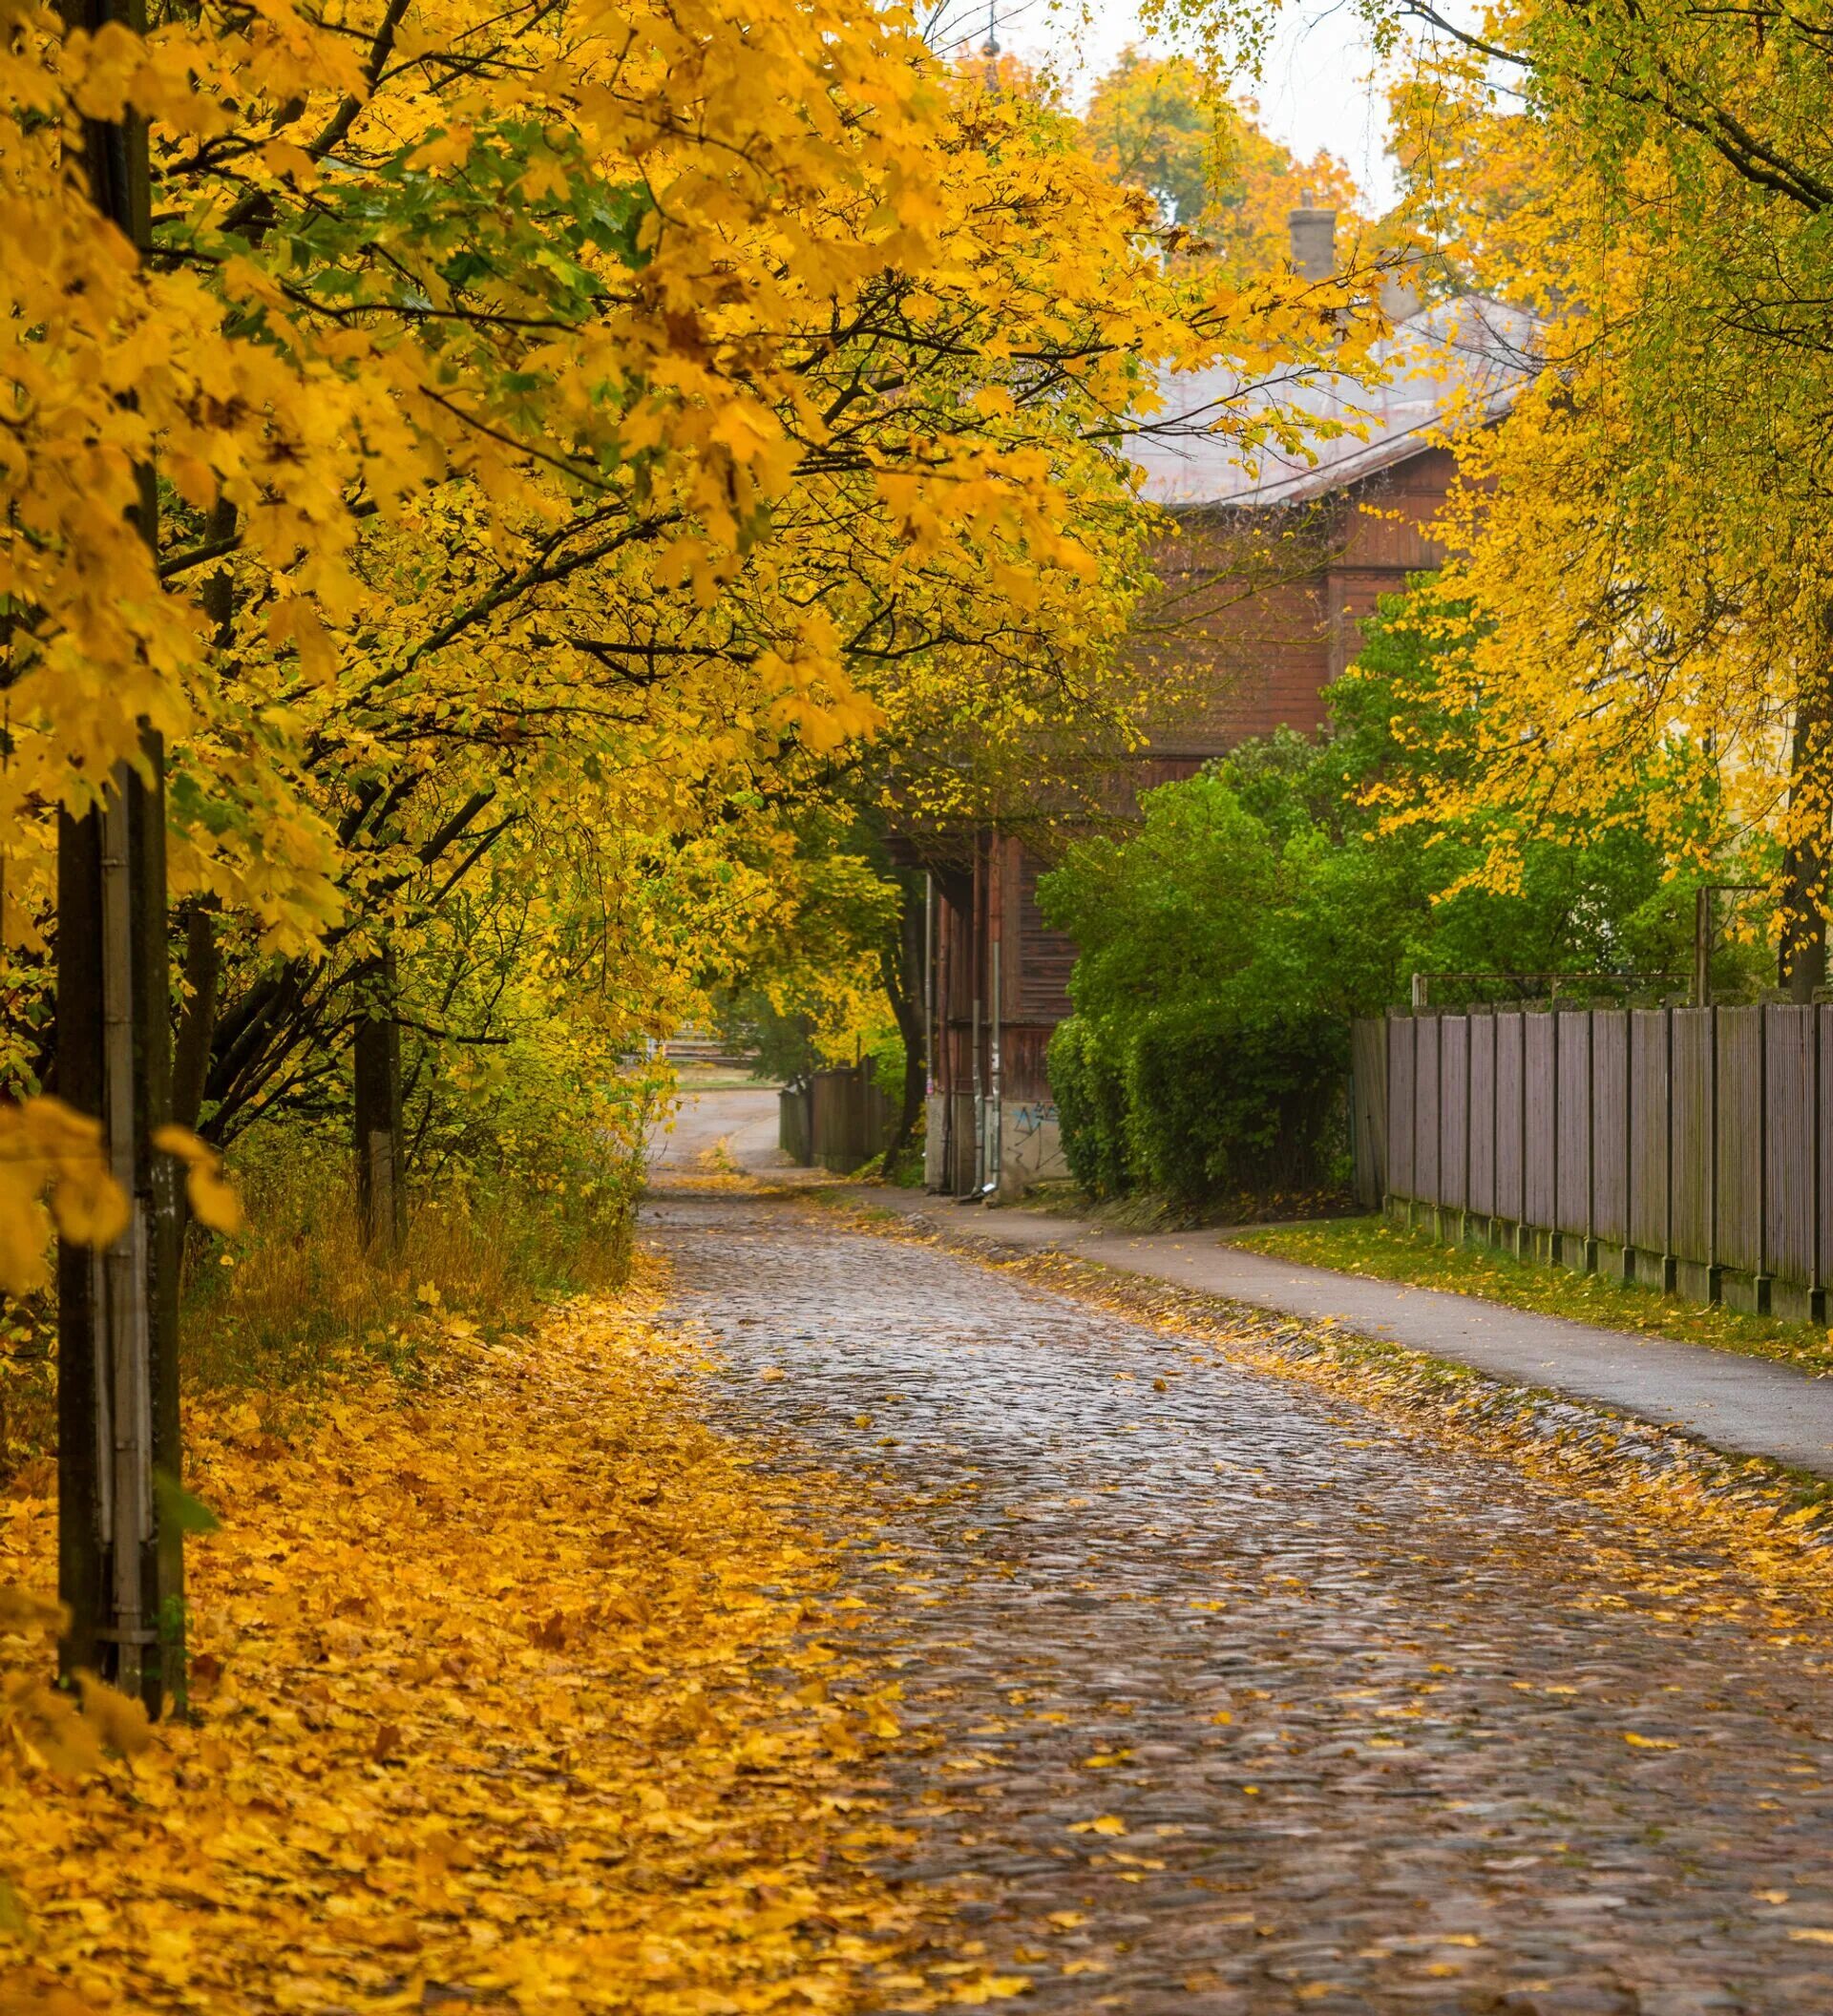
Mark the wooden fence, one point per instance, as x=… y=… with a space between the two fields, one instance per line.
x=795 y=1123
x=839 y=1122
x=1689 y=1147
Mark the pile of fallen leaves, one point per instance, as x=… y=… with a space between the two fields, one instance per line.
x=523 y=1689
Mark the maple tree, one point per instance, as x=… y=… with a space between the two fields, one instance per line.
x=1161 y=124
x=1642 y=546
x=523 y=459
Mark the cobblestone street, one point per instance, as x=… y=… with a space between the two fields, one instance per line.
x=1223 y=1697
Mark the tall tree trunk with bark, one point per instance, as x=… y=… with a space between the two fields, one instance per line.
x=120 y=1564
x=381 y=1205
x=1801 y=955
x=198 y=1018
x=902 y=968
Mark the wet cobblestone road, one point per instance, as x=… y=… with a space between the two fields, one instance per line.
x=1388 y=1727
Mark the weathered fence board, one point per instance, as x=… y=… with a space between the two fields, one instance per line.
x=851 y=1119
x=1540 y=1096
x=1368 y=1042
x=1510 y=1202
x=1649 y=1092
x=1483 y=1115
x=1824 y=1240
x=1739 y=1202
x=794 y=1123
x=1789 y=1143
x=1573 y=1194
x=1691 y=1139
x=1401 y=1102
x=1425 y=1138
x=1611 y=1125
x=1454 y=1110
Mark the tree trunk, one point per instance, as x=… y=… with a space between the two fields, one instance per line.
x=198 y=1018
x=903 y=977
x=121 y=1566
x=1801 y=953
x=379 y=1174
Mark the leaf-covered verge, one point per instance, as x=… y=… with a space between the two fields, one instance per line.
x=525 y=1686
x=1392 y=1252
x=296 y=1295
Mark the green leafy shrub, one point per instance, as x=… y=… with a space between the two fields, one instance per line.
x=1226 y=943
x=1090 y=1091
x=1216 y=1106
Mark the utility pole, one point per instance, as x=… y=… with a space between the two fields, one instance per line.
x=120 y=1567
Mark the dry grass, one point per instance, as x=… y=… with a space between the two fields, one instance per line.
x=296 y=1296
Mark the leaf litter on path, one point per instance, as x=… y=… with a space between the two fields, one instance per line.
x=521 y=1692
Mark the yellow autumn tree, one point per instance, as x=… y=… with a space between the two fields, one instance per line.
x=1163 y=125
x=1643 y=568
x=843 y=501
x=507 y=453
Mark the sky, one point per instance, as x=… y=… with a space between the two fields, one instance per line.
x=1316 y=90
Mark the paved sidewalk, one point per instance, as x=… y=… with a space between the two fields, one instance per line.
x=1747 y=1406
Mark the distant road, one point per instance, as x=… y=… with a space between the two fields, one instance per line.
x=744 y=1118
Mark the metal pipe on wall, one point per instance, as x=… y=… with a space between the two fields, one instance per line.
x=990 y=1155
x=977 y=967
x=929 y=983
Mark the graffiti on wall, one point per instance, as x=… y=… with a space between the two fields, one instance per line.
x=1033 y=1144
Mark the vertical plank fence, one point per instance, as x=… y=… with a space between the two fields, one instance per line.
x=1609 y=1095
x=850 y=1120
x=1651 y=1125
x=1368 y=1111
x=1687 y=1147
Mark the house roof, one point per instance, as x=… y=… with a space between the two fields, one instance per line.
x=1453 y=364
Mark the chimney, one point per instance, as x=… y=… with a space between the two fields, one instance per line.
x=1314 y=240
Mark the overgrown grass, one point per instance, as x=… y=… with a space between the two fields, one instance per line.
x=1390 y=1253
x=296 y=1295
x=297 y=1292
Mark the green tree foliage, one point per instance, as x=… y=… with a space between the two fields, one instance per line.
x=1153 y=126
x=1226 y=945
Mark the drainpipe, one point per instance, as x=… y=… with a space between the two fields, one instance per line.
x=929 y=984
x=979 y=970
x=990 y=1167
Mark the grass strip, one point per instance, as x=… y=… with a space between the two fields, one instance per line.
x=1385 y=1251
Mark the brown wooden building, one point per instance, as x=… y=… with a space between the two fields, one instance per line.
x=1263 y=589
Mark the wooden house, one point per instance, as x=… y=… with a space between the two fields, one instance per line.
x=1264 y=585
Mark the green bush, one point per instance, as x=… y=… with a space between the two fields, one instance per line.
x=1225 y=943
x=1089 y=1088
x=1216 y=1107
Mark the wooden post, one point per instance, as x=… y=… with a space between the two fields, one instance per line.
x=121 y=1568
